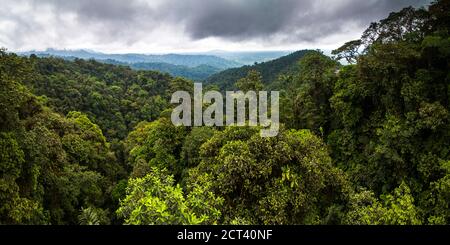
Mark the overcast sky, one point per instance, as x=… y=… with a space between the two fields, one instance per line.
x=162 y=26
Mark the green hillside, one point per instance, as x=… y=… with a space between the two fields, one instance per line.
x=115 y=97
x=269 y=71
x=197 y=73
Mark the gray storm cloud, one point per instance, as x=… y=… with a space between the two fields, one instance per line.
x=130 y=21
x=301 y=20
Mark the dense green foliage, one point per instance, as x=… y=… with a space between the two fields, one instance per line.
x=154 y=199
x=364 y=143
x=386 y=117
x=51 y=166
x=197 y=73
x=269 y=70
x=114 y=97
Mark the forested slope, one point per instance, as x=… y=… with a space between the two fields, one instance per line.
x=54 y=169
x=115 y=97
x=269 y=71
x=198 y=73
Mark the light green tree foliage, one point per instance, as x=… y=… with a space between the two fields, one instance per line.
x=436 y=200
x=158 y=143
x=155 y=199
x=394 y=209
x=286 y=179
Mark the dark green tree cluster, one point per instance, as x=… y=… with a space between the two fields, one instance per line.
x=114 y=97
x=198 y=73
x=386 y=117
x=51 y=166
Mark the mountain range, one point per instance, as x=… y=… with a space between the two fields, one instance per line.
x=194 y=66
x=198 y=73
x=247 y=57
x=175 y=59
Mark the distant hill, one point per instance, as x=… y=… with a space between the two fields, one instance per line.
x=248 y=57
x=174 y=59
x=269 y=70
x=197 y=73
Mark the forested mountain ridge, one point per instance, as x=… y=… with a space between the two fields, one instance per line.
x=364 y=143
x=196 y=67
x=198 y=73
x=174 y=59
x=248 y=57
x=269 y=71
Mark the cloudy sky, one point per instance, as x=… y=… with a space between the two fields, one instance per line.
x=161 y=26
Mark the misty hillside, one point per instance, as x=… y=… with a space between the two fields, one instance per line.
x=195 y=66
x=248 y=57
x=174 y=59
